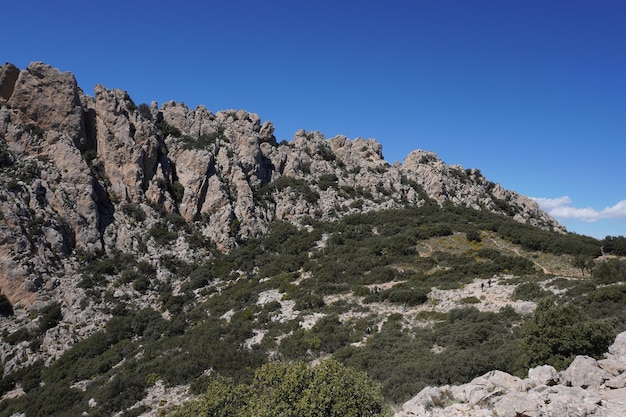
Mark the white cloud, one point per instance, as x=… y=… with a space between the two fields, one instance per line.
x=562 y=208
x=551 y=203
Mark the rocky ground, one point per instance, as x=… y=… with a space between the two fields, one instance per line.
x=588 y=387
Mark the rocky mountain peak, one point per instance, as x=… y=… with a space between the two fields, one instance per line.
x=87 y=173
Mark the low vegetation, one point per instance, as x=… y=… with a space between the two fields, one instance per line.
x=241 y=328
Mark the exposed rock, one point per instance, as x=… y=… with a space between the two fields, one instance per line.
x=584 y=372
x=87 y=175
x=49 y=99
x=543 y=375
x=8 y=77
x=617 y=350
x=582 y=392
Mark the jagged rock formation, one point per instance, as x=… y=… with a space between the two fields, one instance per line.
x=586 y=388
x=74 y=168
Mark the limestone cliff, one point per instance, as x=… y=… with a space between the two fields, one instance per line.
x=74 y=168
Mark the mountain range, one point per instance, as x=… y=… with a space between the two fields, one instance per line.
x=131 y=231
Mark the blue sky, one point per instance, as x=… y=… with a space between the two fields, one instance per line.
x=532 y=93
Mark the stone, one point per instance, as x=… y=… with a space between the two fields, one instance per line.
x=618 y=348
x=8 y=77
x=543 y=375
x=516 y=404
x=584 y=372
x=612 y=365
x=616 y=382
x=45 y=97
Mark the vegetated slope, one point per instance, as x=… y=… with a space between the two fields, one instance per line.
x=92 y=174
x=145 y=249
x=357 y=289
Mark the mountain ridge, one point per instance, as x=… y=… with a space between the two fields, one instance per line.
x=223 y=171
x=158 y=245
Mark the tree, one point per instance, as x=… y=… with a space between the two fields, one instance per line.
x=292 y=390
x=557 y=334
x=473 y=235
x=583 y=262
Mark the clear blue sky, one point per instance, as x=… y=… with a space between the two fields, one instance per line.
x=532 y=93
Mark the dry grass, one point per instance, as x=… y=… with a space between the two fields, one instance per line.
x=550 y=264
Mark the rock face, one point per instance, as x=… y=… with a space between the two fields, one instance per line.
x=8 y=77
x=586 y=388
x=75 y=170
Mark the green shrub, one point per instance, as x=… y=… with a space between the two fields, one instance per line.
x=360 y=291
x=326 y=181
x=35 y=131
x=168 y=130
x=326 y=390
x=528 y=291
x=178 y=191
x=141 y=284
x=556 y=334
x=50 y=316
x=161 y=234
x=473 y=235
x=18 y=336
x=296 y=185
x=90 y=155
x=6 y=158
x=609 y=271
x=410 y=297
x=469 y=300
x=134 y=211
x=145 y=112
x=615 y=245
x=6 y=308
x=307 y=301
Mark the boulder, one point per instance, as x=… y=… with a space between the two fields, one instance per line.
x=543 y=375
x=517 y=404
x=572 y=401
x=584 y=372
x=618 y=349
x=8 y=77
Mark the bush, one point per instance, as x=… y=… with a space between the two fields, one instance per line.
x=18 y=336
x=557 y=334
x=50 y=316
x=178 y=191
x=292 y=390
x=161 y=234
x=166 y=129
x=145 y=112
x=469 y=300
x=609 y=272
x=134 y=211
x=6 y=308
x=326 y=181
x=528 y=291
x=410 y=297
x=473 y=235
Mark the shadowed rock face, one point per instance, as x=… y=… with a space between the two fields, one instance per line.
x=79 y=164
x=586 y=388
x=8 y=77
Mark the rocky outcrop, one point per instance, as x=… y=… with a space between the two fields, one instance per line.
x=45 y=97
x=77 y=165
x=469 y=188
x=588 y=387
x=8 y=77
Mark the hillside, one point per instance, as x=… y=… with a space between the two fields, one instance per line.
x=145 y=250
